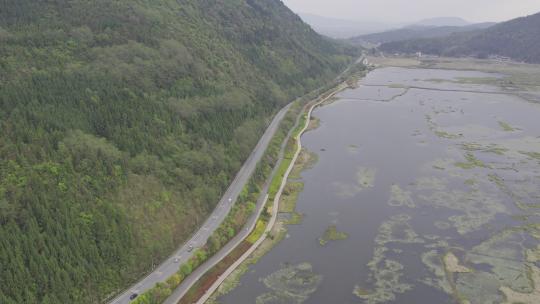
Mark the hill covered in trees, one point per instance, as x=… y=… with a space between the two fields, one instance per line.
x=123 y=122
x=416 y=32
x=518 y=39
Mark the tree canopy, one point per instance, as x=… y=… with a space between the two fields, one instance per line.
x=122 y=123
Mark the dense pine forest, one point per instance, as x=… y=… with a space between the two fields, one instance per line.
x=122 y=123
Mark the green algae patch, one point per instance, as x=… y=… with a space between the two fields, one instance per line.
x=471 y=162
x=397 y=86
x=446 y=135
x=441 y=164
x=431 y=183
x=533 y=155
x=400 y=197
x=387 y=284
x=533 y=297
x=524 y=193
x=387 y=273
x=505 y=253
x=432 y=260
x=506 y=127
x=295 y=218
x=397 y=230
x=332 y=234
x=345 y=190
x=467 y=80
x=366 y=177
x=292 y=284
x=353 y=149
x=432 y=125
x=478 y=80
x=489 y=148
x=306 y=160
x=477 y=288
x=470 y=182
x=510 y=275
x=476 y=207
x=442 y=225
x=451 y=264
x=533 y=255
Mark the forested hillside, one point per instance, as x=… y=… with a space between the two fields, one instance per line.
x=518 y=39
x=122 y=123
x=416 y=32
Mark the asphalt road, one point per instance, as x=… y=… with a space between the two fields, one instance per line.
x=275 y=204
x=172 y=264
x=184 y=287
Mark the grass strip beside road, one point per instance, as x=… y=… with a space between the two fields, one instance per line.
x=199 y=289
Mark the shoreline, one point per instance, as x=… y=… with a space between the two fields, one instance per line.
x=302 y=160
x=277 y=197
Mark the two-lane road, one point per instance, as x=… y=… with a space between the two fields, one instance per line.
x=172 y=264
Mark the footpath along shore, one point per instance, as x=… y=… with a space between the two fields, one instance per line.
x=198 y=283
x=275 y=205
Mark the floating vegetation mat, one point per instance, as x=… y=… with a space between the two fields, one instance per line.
x=365 y=178
x=400 y=197
x=385 y=277
x=455 y=219
x=475 y=208
x=483 y=200
x=290 y=285
x=451 y=263
x=506 y=127
x=332 y=234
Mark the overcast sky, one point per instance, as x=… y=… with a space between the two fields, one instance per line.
x=393 y=11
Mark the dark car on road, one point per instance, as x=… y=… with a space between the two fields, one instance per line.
x=133 y=296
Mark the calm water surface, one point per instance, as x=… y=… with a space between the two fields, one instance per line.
x=413 y=164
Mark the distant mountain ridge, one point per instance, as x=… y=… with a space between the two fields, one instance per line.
x=342 y=28
x=443 y=21
x=416 y=32
x=518 y=39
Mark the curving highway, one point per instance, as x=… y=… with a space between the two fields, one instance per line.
x=183 y=254
x=172 y=264
x=184 y=287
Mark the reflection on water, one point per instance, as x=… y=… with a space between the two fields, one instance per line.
x=429 y=179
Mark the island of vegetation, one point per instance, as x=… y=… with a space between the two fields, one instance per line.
x=332 y=234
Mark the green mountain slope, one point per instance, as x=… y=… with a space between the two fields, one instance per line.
x=416 y=32
x=123 y=121
x=518 y=39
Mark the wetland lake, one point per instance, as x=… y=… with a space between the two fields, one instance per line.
x=426 y=190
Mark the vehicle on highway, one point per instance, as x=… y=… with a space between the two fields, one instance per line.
x=190 y=248
x=176 y=260
x=230 y=199
x=133 y=296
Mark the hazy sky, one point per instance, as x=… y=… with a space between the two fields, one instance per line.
x=413 y=10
